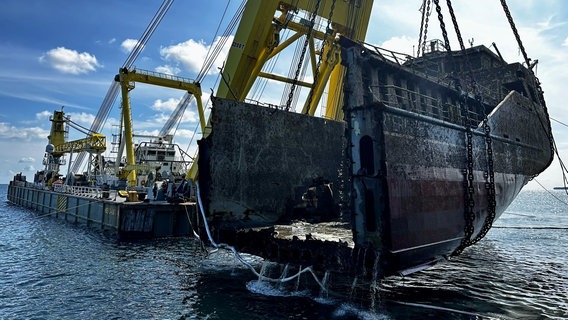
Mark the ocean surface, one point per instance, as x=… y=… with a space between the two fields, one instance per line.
x=50 y=269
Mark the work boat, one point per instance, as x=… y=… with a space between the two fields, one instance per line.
x=429 y=152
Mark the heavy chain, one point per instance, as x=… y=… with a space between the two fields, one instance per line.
x=489 y=184
x=316 y=73
x=303 y=54
x=469 y=203
x=527 y=61
x=442 y=25
x=515 y=32
x=455 y=22
x=428 y=12
x=423 y=26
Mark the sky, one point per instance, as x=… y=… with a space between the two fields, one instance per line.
x=66 y=53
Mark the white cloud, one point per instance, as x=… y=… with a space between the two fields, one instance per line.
x=111 y=41
x=8 y=132
x=191 y=54
x=26 y=160
x=128 y=45
x=167 y=69
x=43 y=115
x=565 y=43
x=70 y=61
x=168 y=105
x=84 y=118
x=402 y=44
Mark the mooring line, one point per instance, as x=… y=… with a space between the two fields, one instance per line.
x=552 y=194
x=531 y=227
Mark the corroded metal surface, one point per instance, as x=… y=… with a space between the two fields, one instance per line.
x=259 y=161
x=407 y=135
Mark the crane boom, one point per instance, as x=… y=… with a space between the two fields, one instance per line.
x=96 y=143
x=257 y=40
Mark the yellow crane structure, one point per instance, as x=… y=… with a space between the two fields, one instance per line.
x=94 y=143
x=127 y=79
x=257 y=40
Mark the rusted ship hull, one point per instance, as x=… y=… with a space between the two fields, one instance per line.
x=428 y=167
x=418 y=196
x=412 y=208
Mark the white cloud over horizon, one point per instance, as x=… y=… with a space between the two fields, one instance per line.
x=192 y=54
x=70 y=61
x=10 y=132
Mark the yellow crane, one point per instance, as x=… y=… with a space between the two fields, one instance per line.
x=94 y=143
x=127 y=79
x=257 y=40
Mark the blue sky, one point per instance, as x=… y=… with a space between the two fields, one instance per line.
x=66 y=53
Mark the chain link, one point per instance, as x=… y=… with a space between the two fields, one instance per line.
x=303 y=54
x=442 y=25
x=469 y=203
x=316 y=73
x=527 y=61
x=428 y=12
x=455 y=22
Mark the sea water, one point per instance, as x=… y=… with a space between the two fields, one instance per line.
x=51 y=269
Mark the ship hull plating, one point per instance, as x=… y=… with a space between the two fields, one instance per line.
x=409 y=146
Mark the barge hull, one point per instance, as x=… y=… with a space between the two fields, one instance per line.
x=134 y=220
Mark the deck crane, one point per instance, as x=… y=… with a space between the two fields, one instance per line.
x=127 y=79
x=94 y=144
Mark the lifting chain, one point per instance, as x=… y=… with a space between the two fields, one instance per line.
x=489 y=184
x=515 y=32
x=442 y=25
x=455 y=22
x=527 y=61
x=303 y=54
x=316 y=74
x=423 y=26
x=469 y=203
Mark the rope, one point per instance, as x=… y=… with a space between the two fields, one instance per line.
x=247 y=264
x=552 y=194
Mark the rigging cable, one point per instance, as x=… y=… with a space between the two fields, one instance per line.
x=243 y=261
x=114 y=88
x=212 y=56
